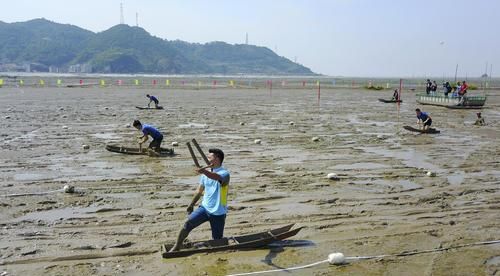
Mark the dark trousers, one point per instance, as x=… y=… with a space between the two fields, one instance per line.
x=200 y=216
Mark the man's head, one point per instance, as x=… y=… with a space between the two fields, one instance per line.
x=418 y=111
x=137 y=124
x=147 y=95
x=215 y=157
x=463 y=82
x=478 y=114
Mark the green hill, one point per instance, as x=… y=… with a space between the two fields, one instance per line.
x=125 y=49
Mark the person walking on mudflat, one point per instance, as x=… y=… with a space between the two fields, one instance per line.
x=213 y=185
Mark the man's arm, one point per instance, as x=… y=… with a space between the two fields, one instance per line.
x=144 y=139
x=214 y=176
x=196 y=197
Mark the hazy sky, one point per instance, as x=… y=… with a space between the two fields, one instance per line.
x=401 y=38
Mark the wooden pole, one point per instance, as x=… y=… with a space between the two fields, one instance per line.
x=192 y=155
x=319 y=91
x=201 y=152
x=400 y=89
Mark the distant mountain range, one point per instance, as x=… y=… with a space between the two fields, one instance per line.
x=42 y=45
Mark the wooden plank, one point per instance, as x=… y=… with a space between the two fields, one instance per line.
x=201 y=152
x=192 y=155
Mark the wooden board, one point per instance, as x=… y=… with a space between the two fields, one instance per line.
x=145 y=107
x=232 y=243
x=135 y=151
x=429 y=131
x=390 y=101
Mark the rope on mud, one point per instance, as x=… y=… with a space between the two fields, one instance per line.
x=31 y=194
x=80 y=189
x=339 y=258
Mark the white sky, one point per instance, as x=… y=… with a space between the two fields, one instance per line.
x=399 y=38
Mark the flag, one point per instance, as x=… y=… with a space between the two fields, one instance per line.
x=136 y=82
x=167 y=82
x=21 y=82
x=59 y=82
x=231 y=83
x=317 y=83
x=1 y=82
x=42 y=82
x=103 y=82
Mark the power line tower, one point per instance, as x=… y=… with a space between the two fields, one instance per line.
x=122 y=20
x=246 y=39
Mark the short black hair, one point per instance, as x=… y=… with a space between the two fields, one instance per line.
x=219 y=153
x=136 y=123
x=147 y=95
x=418 y=109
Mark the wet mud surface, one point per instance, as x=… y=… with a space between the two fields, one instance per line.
x=125 y=207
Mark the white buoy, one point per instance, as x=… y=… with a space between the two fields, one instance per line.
x=175 y=144
x=257 y=141
x=85 y=147
x=336 y=258
x=68 y=189
x=315 y=139
x=431 y=174
x=332 y=176
x=65 y=127
x=291 y=123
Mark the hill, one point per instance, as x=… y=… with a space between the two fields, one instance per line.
x=47 y=45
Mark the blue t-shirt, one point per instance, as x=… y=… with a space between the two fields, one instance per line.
x=153 y=98
x=151 y=131
x=423 y=116
x=215 y=196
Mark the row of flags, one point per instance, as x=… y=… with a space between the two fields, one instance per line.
x=137 y=82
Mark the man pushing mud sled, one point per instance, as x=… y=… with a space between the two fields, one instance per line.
x=213 y=189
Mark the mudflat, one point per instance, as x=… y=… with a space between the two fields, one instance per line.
x=124 y=207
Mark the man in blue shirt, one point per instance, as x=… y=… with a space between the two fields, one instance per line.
x=423 y=118
x=152 y=99
x=213 y=186
x=148 y=130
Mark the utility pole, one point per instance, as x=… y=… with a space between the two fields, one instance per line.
x=137 y=19
x=246 y=39
x=122 y=20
